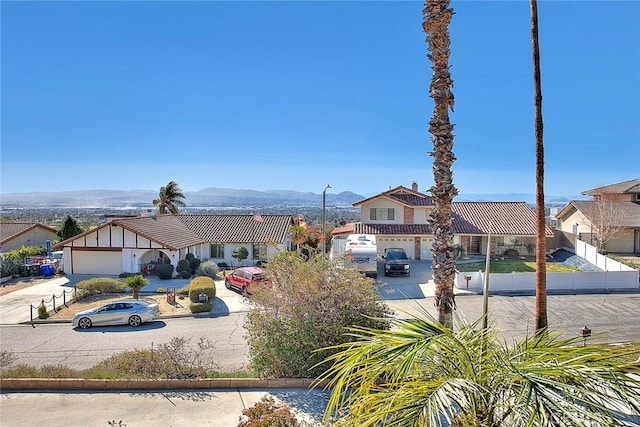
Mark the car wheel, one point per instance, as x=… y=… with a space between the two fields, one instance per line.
x=227 y=284
x=135 y=321
x=84 y=323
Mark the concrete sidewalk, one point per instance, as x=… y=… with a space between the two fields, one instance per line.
x=14 y=306
x=160 y=408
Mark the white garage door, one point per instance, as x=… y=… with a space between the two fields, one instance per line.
x=96 y=262
x=425 y=248
x=406 y=243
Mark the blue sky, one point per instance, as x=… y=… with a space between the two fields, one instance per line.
x=298 y=95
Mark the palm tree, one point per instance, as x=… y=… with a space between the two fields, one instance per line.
x=436 y=18
x=541 y=243
x=422 y=373
x=168 y=200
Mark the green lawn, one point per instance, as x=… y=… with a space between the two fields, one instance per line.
x=511 y=265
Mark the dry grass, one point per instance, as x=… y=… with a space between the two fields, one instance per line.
x=180 y=307
x=20 y=283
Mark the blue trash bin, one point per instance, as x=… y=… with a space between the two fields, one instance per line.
x=47 y=270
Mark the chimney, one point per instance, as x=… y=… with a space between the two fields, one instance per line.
x=414 y=185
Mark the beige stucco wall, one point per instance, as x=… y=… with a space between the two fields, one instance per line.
x=577 y=217
x=35 y=237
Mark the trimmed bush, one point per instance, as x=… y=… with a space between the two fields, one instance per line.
x=201 y=307
x=165 y=271
x=100 y=285
x=183 y=266
x=43 y=313
x=209 y=269
x=202 y=284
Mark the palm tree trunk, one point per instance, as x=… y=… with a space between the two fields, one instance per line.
x=541 y=244
x=436 y=18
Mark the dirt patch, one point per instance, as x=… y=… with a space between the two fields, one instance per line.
x=181 y=306
x=21 y=283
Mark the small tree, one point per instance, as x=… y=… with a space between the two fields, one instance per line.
x=607 y=216
x=69 y=228
x=136 y=283
x=240 y=254
x=307 y=307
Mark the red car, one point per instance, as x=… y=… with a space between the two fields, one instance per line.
x=244 y=278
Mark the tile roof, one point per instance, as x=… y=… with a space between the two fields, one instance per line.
x=238 y=228
x=166 y=230
x=11 y=230
x=626 y=187
x=402 y=195
x=502 y=218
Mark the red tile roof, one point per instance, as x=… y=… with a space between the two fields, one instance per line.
x=402 y=195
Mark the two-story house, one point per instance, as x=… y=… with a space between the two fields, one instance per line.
x=399 y=217
x=611 y=220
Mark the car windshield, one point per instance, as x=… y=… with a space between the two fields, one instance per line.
x=258 y=277
x=396 y=256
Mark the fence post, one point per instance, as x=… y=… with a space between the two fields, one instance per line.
x=53 y=297
x=64 y=298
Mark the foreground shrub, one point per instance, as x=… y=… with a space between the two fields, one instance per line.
x=135 y=283
x=209 y=269
x=307 y=308
x=202 y=285
x=165 y=271
x=43 y=313
x=201 y=307
x=99 y=285
x=47 y=371
x=268 y=413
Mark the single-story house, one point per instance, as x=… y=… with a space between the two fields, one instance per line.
x=14 y=235
x=399 y=218
x=615 y=209
x=140 y=243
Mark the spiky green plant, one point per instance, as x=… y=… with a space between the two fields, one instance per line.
x=421 y=373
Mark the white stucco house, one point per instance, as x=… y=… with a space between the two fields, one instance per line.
x=399 y=218
x=137 y=244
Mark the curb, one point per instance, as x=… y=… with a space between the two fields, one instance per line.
x=25 y=384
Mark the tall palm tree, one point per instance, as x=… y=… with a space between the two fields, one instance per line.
x=421 y=373
x=541 y=243
x=169 y=199
x=436 y=18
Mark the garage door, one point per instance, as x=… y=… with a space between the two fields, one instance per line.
x=406 y=243
x=425 y=248
x=96 y=262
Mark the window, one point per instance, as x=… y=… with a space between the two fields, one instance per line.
x=217 y=250
x=259 y=251
x=382 y=214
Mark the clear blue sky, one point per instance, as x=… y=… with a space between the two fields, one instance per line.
x=297 y=95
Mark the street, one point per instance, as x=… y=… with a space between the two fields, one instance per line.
x=611 y=317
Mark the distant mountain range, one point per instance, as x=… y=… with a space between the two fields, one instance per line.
x=218 y=197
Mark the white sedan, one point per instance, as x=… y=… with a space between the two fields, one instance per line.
x=128 y=312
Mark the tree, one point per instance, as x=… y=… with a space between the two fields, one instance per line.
x=136 y=282
x=169 y=199
x=541 y=224
x=69 y=228
x=436 y=18
x=240 y=254
x=307 y=306
x=421 y=373
x=606 y=216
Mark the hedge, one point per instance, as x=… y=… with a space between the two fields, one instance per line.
x=202 y=284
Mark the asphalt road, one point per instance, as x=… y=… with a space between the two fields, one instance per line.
x=611 y=317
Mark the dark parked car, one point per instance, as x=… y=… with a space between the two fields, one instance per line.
x=244 y=278
x=396 y=262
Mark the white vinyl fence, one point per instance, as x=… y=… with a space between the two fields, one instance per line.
x=616 y=276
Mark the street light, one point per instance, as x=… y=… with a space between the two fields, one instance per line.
x=324 y=207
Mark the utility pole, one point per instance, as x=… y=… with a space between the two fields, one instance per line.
x=324 y=219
